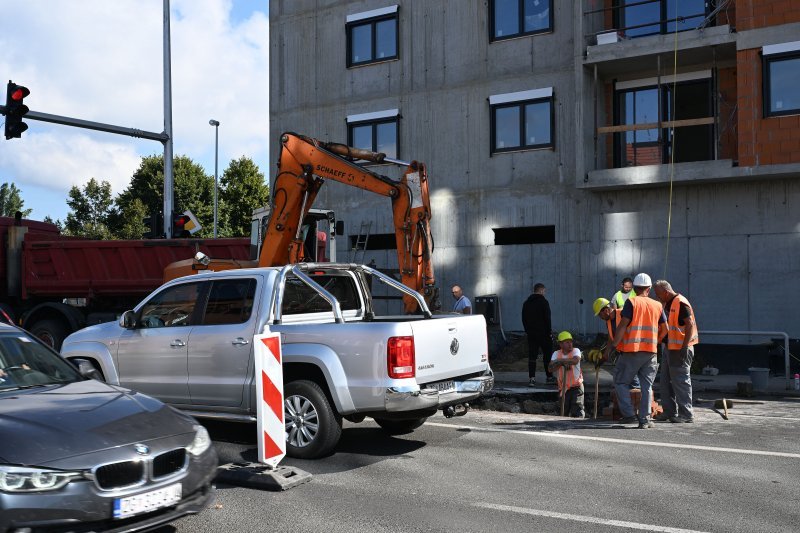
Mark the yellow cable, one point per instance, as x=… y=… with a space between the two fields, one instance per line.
x=672 y=143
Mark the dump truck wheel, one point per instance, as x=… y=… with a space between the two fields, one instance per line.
x=51 y=332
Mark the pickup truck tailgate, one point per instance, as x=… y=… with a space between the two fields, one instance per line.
x=449 y=346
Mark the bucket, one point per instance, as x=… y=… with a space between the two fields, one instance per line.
x=759 y=377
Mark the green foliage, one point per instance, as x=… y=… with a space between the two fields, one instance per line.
x=91 y=208
x=131 y=216
x=242 y=189
x=11 y=201
x=193 y=190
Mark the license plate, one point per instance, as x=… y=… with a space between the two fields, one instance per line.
x=147 y=501
x=444 y=386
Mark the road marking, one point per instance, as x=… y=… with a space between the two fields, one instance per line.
x=621 y=441
x=587 y=519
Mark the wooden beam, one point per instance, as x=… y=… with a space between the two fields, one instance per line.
x=654 y=125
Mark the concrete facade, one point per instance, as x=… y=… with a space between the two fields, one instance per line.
x=727 y=235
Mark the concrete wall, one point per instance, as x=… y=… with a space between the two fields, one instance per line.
x=734 y=248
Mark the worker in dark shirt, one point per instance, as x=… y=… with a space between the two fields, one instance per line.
x=538 y=328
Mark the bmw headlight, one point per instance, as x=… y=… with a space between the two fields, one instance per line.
x=25 y=479
x=201 y=442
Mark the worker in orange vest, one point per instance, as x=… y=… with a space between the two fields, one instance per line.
x=610 y=315
x=637 y=339
x=570 y=379
x=676 y=382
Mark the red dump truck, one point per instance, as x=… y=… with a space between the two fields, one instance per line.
x=53 y=285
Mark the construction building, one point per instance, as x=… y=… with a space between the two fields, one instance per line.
x=571 y=143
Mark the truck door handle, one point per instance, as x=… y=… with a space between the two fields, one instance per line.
x=239 y=341
x=177 y=343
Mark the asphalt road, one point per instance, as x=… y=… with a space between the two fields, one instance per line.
x=491 y=471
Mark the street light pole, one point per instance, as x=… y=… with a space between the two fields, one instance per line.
x=215 y=123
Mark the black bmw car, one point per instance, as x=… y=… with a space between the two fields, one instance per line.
x=77 y=454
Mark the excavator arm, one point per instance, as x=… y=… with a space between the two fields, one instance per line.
x=303 y=166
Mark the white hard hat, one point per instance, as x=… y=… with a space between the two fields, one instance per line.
x=642 y=280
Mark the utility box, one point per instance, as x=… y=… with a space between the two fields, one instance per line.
x=488 y=306
x=609 y=37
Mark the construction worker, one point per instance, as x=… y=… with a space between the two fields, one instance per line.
x=622 y=295
x=603 y=308
x=676 y=383
x=636 y=339
x=570 y=378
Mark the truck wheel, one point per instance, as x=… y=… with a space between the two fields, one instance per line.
x=313 y=427
x=400 y=427
x=51 y=332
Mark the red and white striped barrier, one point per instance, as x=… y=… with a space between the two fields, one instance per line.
x=269 y=396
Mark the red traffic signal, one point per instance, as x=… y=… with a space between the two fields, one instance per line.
x=15 y=110
x=179 y=225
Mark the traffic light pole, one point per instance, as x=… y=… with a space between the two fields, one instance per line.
x=168 y=176
x=89 y=125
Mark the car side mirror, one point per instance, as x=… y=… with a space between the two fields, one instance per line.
x=128 y=320
x=87 y=369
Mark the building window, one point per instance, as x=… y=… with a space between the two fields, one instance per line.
x=372 y=36
x=513 y=18
x=377 y=132
x=637 y=18
x=781 y=80
x=643 y=105
x=525 y=235
x=522 y=121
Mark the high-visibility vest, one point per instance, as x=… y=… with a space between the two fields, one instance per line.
x=572 y=374
x=613 y=322
x=675 y=332
x=641 y=335
x=620 y=298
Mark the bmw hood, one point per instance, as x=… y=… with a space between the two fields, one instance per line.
x=45 y=424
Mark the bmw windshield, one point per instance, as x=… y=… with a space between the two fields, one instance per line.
x=25 y=363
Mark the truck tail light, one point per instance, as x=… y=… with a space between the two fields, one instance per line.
x=400 y=357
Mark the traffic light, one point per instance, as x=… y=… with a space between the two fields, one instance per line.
x=153 y=226
x=179 y=222
x=15 y=110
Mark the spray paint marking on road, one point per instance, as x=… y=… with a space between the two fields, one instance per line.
x=621 y=441
x=586 y=519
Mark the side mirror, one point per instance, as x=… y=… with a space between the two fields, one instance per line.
x=340 y=227
x=128 y=320
x=87 y=369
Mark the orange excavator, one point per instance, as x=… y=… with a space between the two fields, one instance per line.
x=303 y=166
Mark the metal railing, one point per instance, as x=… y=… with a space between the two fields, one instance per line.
x=762 y=333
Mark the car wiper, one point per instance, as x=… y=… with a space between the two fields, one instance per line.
x=21 y=387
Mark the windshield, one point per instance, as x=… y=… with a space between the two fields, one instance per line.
x=25 y=362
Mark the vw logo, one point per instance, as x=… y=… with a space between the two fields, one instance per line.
x=454 y=347
x=141 y=449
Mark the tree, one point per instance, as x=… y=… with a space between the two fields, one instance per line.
x=11 y=201
x=91 y=209
x=193 y=190
x=242 y=189
x=131 y=217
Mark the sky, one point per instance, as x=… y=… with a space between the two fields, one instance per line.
x=102 y=60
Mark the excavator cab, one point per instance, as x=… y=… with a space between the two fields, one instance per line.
x=319 y=231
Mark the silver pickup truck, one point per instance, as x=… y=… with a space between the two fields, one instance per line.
x=190 y=344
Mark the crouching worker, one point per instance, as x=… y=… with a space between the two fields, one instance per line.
x=566 y=365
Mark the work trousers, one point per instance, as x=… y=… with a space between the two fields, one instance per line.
x=573 y=402
x=535 y=344
x=676 y=383
x=630 y=364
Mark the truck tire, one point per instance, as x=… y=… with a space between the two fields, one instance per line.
x=313 y=427
x=400 y=427
x=51 y=332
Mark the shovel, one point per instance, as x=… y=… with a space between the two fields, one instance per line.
x=563 y=383
x=596 y=387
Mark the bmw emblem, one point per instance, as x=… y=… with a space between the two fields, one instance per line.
x=142 y=449
x=454 y=347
